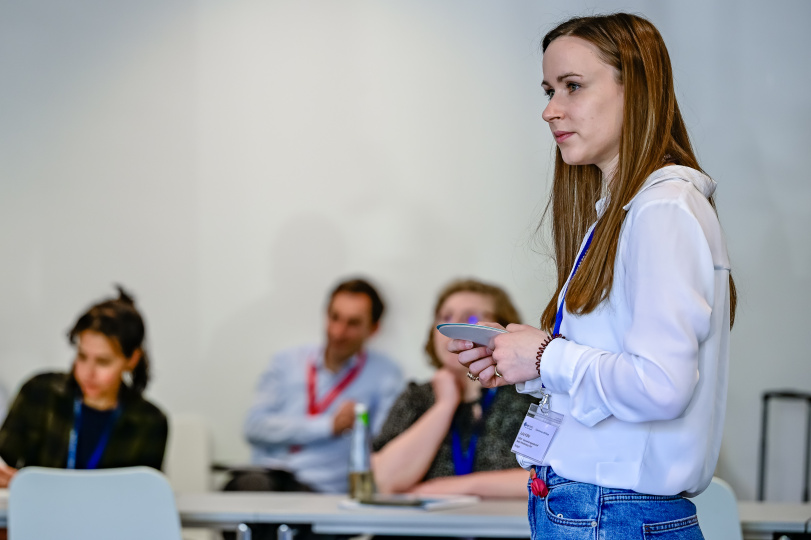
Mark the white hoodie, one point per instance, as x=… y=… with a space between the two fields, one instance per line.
x=642 y=380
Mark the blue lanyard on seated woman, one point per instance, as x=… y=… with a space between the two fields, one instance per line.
x=73 y=442
x=463 y=459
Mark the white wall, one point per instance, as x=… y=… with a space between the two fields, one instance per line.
x=229 y=160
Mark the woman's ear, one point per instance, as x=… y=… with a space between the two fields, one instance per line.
x=133 y=360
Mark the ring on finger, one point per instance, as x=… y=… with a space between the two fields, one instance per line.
x=472 y=377
x=497 y=373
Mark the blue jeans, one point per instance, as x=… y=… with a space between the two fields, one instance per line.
x=577 y=511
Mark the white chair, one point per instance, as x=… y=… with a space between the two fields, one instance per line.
x=717 y=511
x=188 y=454
x=131 y=503
x=188 y=462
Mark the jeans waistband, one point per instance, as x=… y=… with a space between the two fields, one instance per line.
x=549 y=476
x=552 y=479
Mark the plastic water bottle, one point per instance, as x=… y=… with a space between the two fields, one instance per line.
x=361 y=482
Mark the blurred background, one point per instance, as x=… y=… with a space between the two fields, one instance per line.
x=228 y=161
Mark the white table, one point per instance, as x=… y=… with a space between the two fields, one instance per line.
x=761 y=519
x=488 y=518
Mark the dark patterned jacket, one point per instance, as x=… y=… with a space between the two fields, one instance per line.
x=37 y=428
x=495 y=438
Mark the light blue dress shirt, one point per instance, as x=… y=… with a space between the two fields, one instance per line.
x=283 y=436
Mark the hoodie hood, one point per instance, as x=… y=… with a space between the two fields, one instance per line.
x=703 y=183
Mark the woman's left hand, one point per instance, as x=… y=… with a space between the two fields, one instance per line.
x=514 y=355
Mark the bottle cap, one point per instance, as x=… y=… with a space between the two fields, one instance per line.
x=361 y=414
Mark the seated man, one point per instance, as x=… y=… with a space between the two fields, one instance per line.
x=305 y=401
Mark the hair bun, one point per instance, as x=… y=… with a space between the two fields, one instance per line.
x=124 y=296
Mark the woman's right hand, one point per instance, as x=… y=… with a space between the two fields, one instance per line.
x=478 y=360
x=446 y=388
x=513 y=355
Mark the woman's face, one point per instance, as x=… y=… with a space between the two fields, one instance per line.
x=98 y=367
x=460 y=307
x=585 y=103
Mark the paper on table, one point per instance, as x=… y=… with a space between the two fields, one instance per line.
x=405 y=501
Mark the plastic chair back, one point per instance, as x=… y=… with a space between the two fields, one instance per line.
x=717 y=511
x=188 y=454
x=131 y=503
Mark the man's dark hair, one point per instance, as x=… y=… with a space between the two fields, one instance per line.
x=361 y=286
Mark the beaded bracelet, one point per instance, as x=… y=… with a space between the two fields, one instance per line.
x=542 y=348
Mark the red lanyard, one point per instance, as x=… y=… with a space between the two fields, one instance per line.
x=317 y=407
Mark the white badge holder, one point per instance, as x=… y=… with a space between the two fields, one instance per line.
x=536 y=433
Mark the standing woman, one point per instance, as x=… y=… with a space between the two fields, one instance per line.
x=631 y=365
x=95 y=416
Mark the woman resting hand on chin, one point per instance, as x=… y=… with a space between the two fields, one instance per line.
x=632 y=359
x=449 y=435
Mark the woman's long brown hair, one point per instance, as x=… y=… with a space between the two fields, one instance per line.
x=653 y=133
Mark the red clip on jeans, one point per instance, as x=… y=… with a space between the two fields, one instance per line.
x=576 y=511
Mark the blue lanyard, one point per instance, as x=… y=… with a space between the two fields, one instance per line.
x=559 y=316
x=463 y=459
x=73 y=442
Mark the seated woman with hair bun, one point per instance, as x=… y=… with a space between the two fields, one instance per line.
x=95 y=416
x=450 y=435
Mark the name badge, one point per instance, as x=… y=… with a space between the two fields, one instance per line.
x=536 y=433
